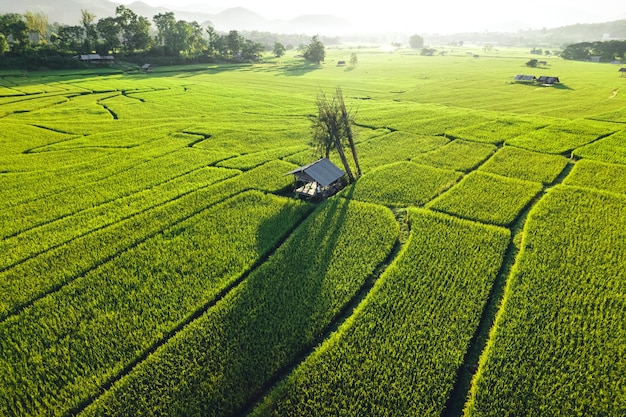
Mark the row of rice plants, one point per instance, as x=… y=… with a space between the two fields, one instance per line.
x=207 y=96
x=598 y=175
x=221 y=361
x=525 y=165
x=38 y=83
x=121 y=139
x=86 y=127
x=6 y=91
x=36 y=86
x=395 y=146
x=129 y=107
x=37 y=240
x=252 y=135
x=380 y=114
x=142 y=176
x=31 y=104
x=448 y=120
x=117 y=82
x=487 y=198
x=403 y=184
x=499 y=130
x=618 y=116
x=43 y=175
x=417 y=118
x=61 y=349
x=559 y=138
x=254 y=159
x=557 y=347
x=54 y=268
x=458 y=155
x=611 y=149
x=86 y=104
x=16 y=138
x=399 y=353
x=38 y=163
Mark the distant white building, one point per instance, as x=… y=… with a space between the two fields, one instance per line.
x=95 y=58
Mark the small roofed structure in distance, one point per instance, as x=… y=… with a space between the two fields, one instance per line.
x=319 y=179
x=521 y=78
x=623 y=71
x=95 y=58
x=146 y=67
x=548 y=81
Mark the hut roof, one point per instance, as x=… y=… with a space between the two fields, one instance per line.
x=522 y=77
x=544 y=79
x=321 y=171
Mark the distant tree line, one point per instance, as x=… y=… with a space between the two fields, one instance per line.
x=539 y=51
x=606 y=50
x=29 y=41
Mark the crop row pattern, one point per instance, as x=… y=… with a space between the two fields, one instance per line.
x=399 y=353
x=217 y=364
x=558 y=344
x=59 y=351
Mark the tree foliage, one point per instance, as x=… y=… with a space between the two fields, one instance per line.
x=91 y=33
x=416 y=42
x=279 y=49
x=37 y=24
x=607 y=50
x=126 y=33
x=332 y=128
x=315 y=51
x=4 y=44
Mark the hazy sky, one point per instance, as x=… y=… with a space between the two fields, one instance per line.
x=430 y=16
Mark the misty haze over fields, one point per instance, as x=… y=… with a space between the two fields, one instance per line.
x=524 y=24
x=337 y=18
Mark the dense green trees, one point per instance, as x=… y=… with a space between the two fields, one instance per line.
x=126 y=33
x=31 y=41
x=607 y=51
x=4 y=44
x=416 y=42
x=315 y=51
x=279 y=49
x=13 y=27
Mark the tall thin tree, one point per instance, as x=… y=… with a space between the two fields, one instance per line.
x=328 y=130
x=347 y=121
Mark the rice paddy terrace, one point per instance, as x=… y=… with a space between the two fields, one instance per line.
x=155 y=262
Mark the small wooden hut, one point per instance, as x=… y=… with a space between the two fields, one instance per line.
x=523 y=78
x=548 y=81
x=316 y=180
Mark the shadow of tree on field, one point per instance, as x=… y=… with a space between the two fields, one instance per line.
x=240 y=346
x=299 y=69
x=562 y=87
x=242 y=341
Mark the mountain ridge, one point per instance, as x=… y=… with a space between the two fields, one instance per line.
x=68 y=12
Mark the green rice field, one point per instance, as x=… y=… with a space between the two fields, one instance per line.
x=156 y=261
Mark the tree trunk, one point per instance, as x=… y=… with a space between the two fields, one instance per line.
x=348 y=126
x=344 y=160
x=334 y=129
